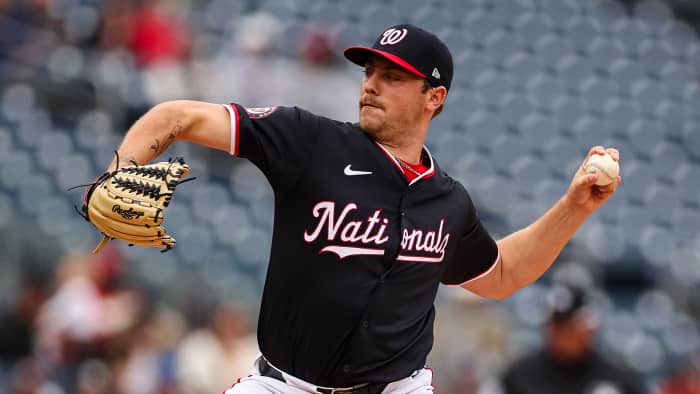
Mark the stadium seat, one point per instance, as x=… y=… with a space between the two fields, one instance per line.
x=634 y=219
x=282 y=9
x=499 y=190
x=469 y=65
x=460 y=101
x=605 y=243
x=631 y=34
x=179 y=214
x=619 y=326
x=208 y=196
x=545 y=90
x=499 y=45
x=505 y=13
x=52 y=145
x=474 y=167
x=522 y=213
x=590 y=131
x=29 y=128
x=531 y=26
x=451 y=147
x=32 y=190
x=527 y=171
x=681 y=38
x=581 y=31
x=644 y=353
x=536 y=130
x=491 y=86
x=326 y=13
x=439 y=20
x=549 y=190
x=194 y=243
x=565 y=111
x=53 y=212
x=253 y=249
x=482 y=127
x=652 y=14
x=231 y=223
x=638 y=176
x=685 y=180
x=682 y=337
x=656 y=245
x=647 y=93
x=351 y=33
x=672 y=116
x=573 y=69
x=16 y=167
x=619 y=114
x=691 y=139
x=668 y=157
x=7 y=144
x=78 y=235
x=73 y=170
x=549 y=49
x=655 y=55
x=596 y=92
x=608 y=14
x=375 y=18
x=515 y=108
x=643 y=135
x=261 y=211
x=603 y=51
x=530 y=305
x=684 y=222
x=247 y=183
x=624 y=73
x=94 y=129
x=655 y=309
x=18 y=101
x=505 y=149
x=562 y=10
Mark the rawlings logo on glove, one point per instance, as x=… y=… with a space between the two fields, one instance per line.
x=129 y=202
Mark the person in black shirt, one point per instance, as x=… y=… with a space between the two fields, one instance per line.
x=568 y=362
x=367 y=224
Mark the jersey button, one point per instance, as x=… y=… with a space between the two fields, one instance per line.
x=365 y=324
x=346 y=368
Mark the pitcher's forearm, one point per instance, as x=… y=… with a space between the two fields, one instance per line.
x=152 y=134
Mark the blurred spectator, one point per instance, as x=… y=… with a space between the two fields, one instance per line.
x=568 y=363
x=90 y=314
x=160 y=44
x=17 y=324
x=155 y=35
x=210 y=359
x=685 y=380
x=150 y=363
x=17 y=333
x=468 y=350
x=318 y=75
x=249 y=67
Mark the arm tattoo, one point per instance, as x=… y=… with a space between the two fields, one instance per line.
x=160 y=147
x=125 y=160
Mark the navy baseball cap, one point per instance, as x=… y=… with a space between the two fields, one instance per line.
x=412 y=48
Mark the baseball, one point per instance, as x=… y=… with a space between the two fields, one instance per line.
x=604 y=166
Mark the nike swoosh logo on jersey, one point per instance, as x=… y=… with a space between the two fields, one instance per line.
x=350 y=172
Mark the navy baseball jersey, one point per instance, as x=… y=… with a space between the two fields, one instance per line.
x=358 y=252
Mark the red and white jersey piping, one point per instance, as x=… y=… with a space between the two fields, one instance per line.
x=427 y=174
x=233 y=114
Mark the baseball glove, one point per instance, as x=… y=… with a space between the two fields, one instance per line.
x=129 y=203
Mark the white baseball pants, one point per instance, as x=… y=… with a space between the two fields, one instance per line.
x=420 y=382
